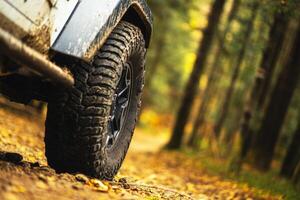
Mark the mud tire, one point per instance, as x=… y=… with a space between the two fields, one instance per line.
x=77 y=120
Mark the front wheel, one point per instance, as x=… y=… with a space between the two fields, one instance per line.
x=89 y=128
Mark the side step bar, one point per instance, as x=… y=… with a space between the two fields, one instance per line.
x=32 y=59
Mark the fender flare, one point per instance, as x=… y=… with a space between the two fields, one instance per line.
x=93 y=20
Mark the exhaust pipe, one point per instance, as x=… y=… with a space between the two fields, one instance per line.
x=32 y=59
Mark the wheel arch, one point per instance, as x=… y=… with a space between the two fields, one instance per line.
x=82 y=35
x=135 y=17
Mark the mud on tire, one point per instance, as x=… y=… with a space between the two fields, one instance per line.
x=79 y=121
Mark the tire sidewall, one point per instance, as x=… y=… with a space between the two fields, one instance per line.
x=68 y=149
x=115 y=153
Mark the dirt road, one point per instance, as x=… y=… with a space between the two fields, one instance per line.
x=146 y=174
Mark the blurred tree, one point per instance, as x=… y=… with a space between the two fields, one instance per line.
x=292 y=157
x=193 y=140
x=192 y=85
x=296 y=177
x=264 y=73
x=237 y=68
x=251 y=61
x=271 y=55
x=163 y=15
x=158 y=50
x=157 y=57
x=280 y=99
x=158 y=44
x=166 y=57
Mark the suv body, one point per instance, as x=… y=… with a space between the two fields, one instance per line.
x=85 y=58
x=72 y=27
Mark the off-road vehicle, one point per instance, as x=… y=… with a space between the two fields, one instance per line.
x=86 y=59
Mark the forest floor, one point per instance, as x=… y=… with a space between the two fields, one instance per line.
x=147 y=173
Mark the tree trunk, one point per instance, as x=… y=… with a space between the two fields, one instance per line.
x=192 y=85
x=277 y=108
x=229 y=134
x=157 y=58
x=237 y=67
x=159 y=48
x=270 y=56
x=212 y=77
x=292 y=157
x=264 y=73
x=296 y=176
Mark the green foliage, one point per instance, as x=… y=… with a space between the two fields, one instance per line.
x=290 y=125
x=177 y=30
x=173 y=41
x=268 y=182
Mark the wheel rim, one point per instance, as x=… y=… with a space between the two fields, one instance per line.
x=120 y=106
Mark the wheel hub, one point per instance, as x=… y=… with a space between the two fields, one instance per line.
x=120 y=105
